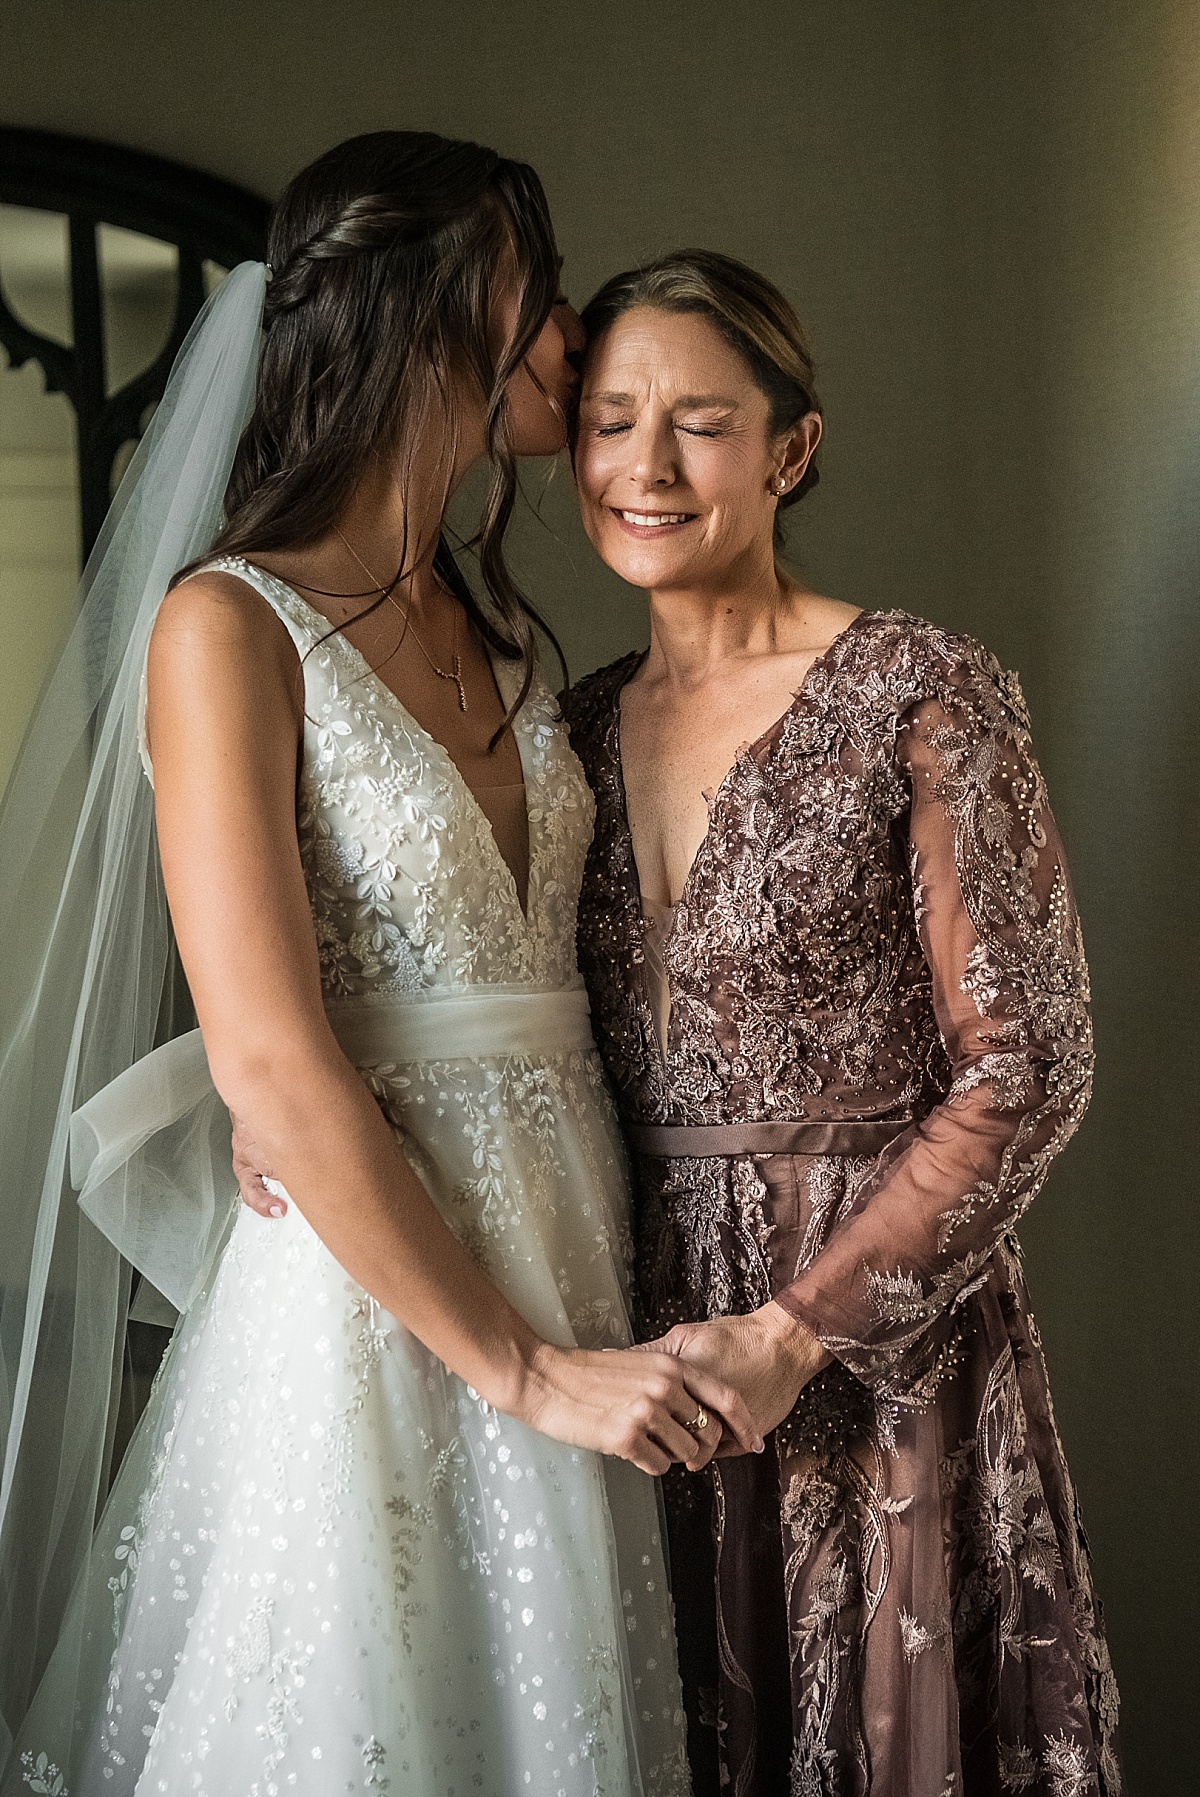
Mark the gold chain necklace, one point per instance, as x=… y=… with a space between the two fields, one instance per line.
x=404 y=610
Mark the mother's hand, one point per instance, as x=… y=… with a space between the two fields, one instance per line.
x=251 y=1172
x=767 y=1357
x=636 y=1405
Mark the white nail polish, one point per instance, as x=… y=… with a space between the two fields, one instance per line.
x=277 y=1210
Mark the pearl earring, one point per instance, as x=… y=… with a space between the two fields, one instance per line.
x=781 y=487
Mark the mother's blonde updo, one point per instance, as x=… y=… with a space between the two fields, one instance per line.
x=750 y=313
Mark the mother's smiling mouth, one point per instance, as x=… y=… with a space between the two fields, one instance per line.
x=651 y=521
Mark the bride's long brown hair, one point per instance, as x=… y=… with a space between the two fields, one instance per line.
x=385 y=254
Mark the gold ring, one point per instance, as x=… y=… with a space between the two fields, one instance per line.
x=698 y=1423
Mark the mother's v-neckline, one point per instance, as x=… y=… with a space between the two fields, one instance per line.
x=452 y=772
x=767 y=739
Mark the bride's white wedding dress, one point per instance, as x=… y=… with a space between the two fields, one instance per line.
x=327 y=1566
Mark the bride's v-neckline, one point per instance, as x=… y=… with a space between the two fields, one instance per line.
x=451 y=771
x=766 y=740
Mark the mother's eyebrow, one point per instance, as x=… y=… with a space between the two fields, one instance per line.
x=686 y=401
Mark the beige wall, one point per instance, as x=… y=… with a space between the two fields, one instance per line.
x=987 y=214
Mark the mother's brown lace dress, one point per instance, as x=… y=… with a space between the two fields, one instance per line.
x=878 y=927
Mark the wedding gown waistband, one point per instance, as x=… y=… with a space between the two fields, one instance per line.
x=165 y=1085
x=490 y=1020
x=668 y=1141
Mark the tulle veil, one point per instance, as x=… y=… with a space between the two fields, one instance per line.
x=87 y=988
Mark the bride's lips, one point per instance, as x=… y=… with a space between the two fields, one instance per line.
x=652 y=523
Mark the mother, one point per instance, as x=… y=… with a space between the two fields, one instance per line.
x=838 y=981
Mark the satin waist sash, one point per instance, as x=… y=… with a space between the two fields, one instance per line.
x=668 y=1141
x=170 y=1081
x=491 y=1020
x=150 y=1152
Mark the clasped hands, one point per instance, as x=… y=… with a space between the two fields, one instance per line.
x=766 y=1356
x=745 y=1372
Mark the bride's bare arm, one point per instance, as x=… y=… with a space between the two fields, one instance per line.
x=225 y=719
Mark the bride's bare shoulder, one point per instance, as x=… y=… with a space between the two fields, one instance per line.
x=220 y=651
x=213 y=612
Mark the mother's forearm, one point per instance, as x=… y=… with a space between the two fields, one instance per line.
x=321 y=1134
x=928 y=1219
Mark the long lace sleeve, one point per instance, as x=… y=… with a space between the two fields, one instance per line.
x=1001 y=936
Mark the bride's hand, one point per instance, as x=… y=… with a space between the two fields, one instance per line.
x=250 y=1171
x=768 y=1357
x=618 y=1402
x=632 y=1404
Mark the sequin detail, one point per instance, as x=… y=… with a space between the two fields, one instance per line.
x=878 y=924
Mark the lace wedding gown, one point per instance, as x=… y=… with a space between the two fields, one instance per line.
x=327 y=1565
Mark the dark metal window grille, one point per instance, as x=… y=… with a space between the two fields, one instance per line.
x=91 y=184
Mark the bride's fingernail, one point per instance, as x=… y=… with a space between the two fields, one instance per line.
x=759 y=1444
x=276 y=1210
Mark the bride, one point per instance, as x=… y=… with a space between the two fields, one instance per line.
x=365 y=1538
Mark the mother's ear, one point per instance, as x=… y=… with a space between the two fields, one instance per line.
x=794 y=451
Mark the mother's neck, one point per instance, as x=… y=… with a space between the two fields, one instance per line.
x=694 y=631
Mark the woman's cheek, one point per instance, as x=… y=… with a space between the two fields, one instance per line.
x=592 y=472
x=712 y=469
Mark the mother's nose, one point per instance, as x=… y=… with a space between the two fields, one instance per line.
x=652 y=459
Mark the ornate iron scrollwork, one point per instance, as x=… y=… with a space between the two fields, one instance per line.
x=206 y=219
